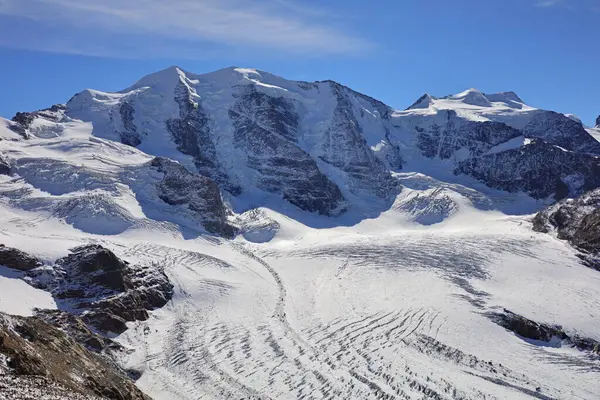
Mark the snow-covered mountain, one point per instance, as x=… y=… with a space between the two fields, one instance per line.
x=239 y=235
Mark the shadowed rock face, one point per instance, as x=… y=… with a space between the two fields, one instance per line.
x=266 y=128
x=556 y=163
x=345 y=148
x=98 y=266
x=538 y=169
x=77 y=329
x=16 y=259
x=458 y=133
x=23 y=120
x=198 y=193
x=529 y=329
x=562 y=131
x=191 y=133
x=5 y=167
x=129 y=134
x=104 y=290
x=37 y=349
x=598 y=121
x=576 y=220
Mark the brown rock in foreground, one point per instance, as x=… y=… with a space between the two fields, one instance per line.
x=33 y=349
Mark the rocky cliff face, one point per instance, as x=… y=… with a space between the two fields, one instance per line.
x=266 y=129
x=504 y=143
x=192 y=134
x=561 y=131
x=105 y=291
x=538 y=168
x=576 y=220
x=42 y=360
x=198 y=193
x=455 y=133
x=345 y=147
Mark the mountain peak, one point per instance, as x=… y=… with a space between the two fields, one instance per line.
x=167 y=77
x=422 y=102
x=509 y=98
x=473 y=97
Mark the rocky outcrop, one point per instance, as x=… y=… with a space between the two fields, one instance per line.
x=35 y=349
x=560 y=130
x=345 y=148
x=77 y=329
x=105 y=291
x=529 y=329
x=576 y=220
x=16 y=259
x=598 y=122
x=95 y=267
x=456 y=133
x=191 y=133
x=129 y=134
x=198 y=193
x=23 y=120
x=539 y=169
x=266 y=128
x=5 y=167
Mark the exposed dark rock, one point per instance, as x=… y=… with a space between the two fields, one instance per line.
x=538 y=169
x=98 y=266
x=16 y=259
x=266 y=128
x=106 y=291
x=576 y=220
x=191 y=132
x=529 y=329
x=22 y=120
x=598 y=122
x=346 y=148
x=36 y=348
x=106 y=321
x=457 y=133
x=560 y=130
x=129 y=134
x=5 y=167
x=77 y=329
x=198 y=193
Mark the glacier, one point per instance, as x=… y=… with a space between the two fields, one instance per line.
x=319 y=243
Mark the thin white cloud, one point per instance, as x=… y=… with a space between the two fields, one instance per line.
x=279 y=25
x=587 y=5
x=548 y=3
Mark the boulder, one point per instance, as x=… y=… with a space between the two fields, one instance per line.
x=16 y=259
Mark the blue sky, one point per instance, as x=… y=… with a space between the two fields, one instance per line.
x=548 y=51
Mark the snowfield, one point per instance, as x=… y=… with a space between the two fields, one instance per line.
x=394 y=304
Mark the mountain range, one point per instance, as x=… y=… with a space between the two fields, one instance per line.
x=239 y=235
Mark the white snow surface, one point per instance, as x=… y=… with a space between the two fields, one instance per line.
x=304 y=306
x=18 y=298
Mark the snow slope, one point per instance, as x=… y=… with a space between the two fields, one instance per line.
x=388 y=298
